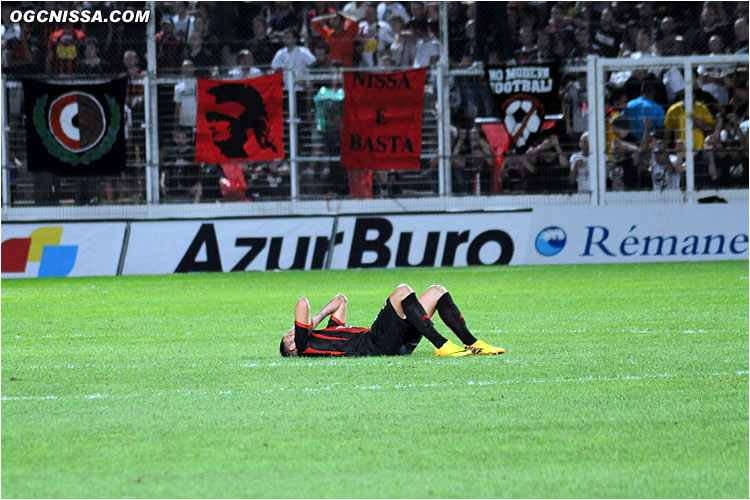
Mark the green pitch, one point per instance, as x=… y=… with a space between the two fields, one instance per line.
x=617 y=381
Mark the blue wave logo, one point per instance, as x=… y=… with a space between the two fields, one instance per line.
x=550 y=241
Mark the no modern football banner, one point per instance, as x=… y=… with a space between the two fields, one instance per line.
x=383 y=119
x=526 y=98
x=240 y=120
x=75 y=129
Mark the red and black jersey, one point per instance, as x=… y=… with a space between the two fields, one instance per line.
x=336 y=339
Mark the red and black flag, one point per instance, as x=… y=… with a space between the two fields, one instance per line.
x=383 y=119
x=527 y=100
x=75 y=129
x=240 y=120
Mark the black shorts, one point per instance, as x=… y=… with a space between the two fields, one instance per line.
x=393 y=335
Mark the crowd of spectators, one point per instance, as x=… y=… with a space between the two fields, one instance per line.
x=212 y=34
x=247 y=39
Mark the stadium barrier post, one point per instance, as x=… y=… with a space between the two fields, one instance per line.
x=689 y=143
x=289 y=82
x=444 y=138
x=151 y=122
x=5 y=149
x=597 y=144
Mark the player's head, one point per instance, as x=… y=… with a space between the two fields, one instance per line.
x=287 y=346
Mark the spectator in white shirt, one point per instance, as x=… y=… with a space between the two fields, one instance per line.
x=245 y=68
x=713 y=79
x=183 y=21
x=296 y=58
x=428 y=48
x=293 y=56
x=186 y=96
x=579 y=166
x=374 y=36
x=665 y=169
x=403 y=48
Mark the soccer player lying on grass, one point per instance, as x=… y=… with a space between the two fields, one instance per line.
x=397 y=330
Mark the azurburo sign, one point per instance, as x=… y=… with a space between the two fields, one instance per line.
x=436 y=240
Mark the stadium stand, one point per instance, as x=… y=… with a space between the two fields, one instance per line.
x=226 y=40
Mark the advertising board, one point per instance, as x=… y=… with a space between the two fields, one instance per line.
x=652 y=233
x=542 y=236
x=61 y=249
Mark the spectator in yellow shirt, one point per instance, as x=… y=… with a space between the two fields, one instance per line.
x=674 y=123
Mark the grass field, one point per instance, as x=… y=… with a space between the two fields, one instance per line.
x=617 y=381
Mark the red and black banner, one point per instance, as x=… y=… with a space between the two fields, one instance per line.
x=527 y=99
x=75 y=130
x=240 y=120
x=383 y=119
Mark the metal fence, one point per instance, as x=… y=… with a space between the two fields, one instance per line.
x=705 y=147
x=457 y=168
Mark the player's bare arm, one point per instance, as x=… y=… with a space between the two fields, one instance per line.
x=336 y=306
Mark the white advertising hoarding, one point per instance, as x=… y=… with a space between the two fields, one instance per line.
x=544 y=235
x=61 y=249
x=638 y=233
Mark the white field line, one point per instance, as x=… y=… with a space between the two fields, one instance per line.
x=342 y=362
x=515 y=331
x=375 y=387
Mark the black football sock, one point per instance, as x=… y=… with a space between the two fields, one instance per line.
x=417 y=316
x=453 y=318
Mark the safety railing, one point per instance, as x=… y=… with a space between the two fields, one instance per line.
x=457 y=171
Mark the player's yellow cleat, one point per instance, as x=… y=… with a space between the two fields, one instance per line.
x=451 y=349
x=480 y=347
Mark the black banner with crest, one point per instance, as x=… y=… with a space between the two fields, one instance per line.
x=75 y=130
